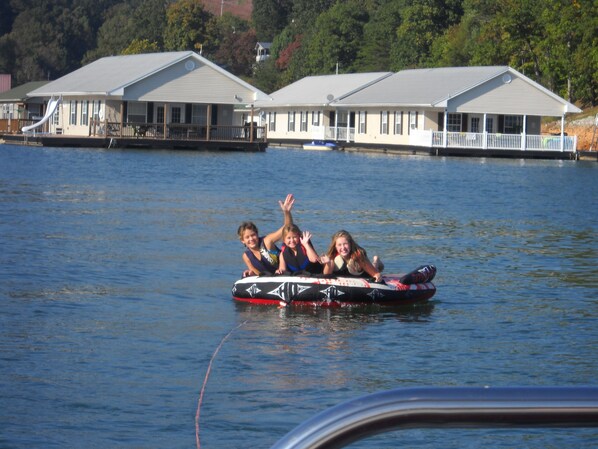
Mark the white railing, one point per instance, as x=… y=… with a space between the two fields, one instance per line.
x=340 y=133
x=498 y=141
x=490 y=141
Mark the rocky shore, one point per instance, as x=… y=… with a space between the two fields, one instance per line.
x=583 y=128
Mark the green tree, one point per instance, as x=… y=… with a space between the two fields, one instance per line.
x=379 y=36
x=139 y=46
x=115 y=34
x=267 y=77
x=423 y=21
x=270 y=17
x=236 y=53
x=186 y=25
x=566 y=51
x=337 y=38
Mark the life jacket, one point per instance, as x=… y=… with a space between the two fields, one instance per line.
x=269 y=260
x=300 y=261
x=341 y=267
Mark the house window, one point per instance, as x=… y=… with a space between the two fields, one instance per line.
x=475 y=124
x=342 y=119
x=136 y=112
x=384 y=122
x=84 y=112
x=291 y=121
x=199 y=114
x=362 y=122
x=315 y=118
x=398 y=122
x=56 y=116
x=175 y=115
x=73 y=118
x=489 y=124
x=454 y=123
x=96 y=105
x=412 y=120
x=272 y=121
x=303 y=120
x=513 y=124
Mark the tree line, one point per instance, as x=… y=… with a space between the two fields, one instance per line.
x=554 y=42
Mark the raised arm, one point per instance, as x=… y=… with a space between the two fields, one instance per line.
x=309 y=249
x=286 y=207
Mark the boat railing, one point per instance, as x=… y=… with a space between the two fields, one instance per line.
x=489 y=407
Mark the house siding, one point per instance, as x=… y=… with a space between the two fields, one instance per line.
x=498 y=97
x=177 y=84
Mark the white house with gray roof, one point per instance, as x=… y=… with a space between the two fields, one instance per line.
x=154 y=94
x=482 y=108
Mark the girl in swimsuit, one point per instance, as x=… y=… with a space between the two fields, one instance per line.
x=261 y=255
x=346 y=258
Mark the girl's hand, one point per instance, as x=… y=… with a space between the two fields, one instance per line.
x=287 y=205
x=305 y=238
x=324 y=259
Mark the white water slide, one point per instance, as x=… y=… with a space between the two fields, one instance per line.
x=52 y=105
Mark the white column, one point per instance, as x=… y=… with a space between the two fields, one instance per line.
x=563 y=132
x=524 y=134
x=485 y=134
x=445 y=125
x=348 y=125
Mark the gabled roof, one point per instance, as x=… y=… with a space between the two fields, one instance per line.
x=423 y=87
x=435 y=87
x=322 y=90
x=109 y=76
x=19 y=93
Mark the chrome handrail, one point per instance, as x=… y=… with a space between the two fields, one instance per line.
x=445 y=407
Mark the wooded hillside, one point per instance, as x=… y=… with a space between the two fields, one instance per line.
x=554 y=42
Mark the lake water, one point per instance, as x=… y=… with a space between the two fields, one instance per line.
x=116 y=268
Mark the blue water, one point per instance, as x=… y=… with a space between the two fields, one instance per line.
x=115 y=276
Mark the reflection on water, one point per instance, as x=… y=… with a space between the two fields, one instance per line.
x=117 y=268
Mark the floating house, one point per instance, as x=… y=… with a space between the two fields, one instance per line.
x=165 y=100
x=458 y=110
x=17 y=109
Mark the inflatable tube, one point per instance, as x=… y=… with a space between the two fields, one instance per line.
x=334 y=291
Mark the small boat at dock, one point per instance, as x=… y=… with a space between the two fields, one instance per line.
x=320 y=145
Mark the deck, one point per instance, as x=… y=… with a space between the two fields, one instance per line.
x=152 y=135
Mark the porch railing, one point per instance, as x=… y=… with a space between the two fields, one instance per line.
x=178 y=131
x=493 y=141
x=14 y=125
x=340 y=133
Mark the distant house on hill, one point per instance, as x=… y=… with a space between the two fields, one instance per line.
x=461 y=108
x=262 y=50
x=162 y=95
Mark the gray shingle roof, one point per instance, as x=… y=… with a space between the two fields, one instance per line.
x=110 y=75
x=423 y=87
x=321 y=90
x=19 y=93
